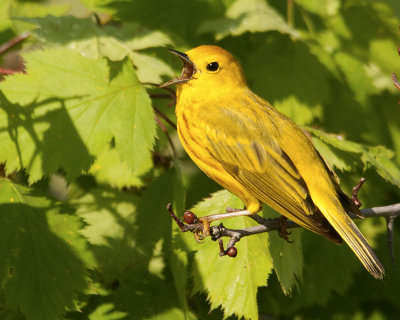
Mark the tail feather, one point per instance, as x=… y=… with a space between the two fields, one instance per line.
x=349 y=232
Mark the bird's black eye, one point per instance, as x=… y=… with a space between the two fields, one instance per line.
x=213 y=66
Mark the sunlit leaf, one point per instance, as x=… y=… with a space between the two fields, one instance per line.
x=323 y=8
x=247 y=16
x=231 y=283
x=378 y=158
x=108 y=168
x=287 y=257
x=72 y=108
x=116 y=43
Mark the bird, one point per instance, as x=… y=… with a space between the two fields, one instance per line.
x=242 y=142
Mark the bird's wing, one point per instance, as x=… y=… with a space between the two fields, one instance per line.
x=247 y=148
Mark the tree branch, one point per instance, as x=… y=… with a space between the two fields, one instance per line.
x=267 y=225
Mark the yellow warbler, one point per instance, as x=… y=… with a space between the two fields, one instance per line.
x=257 y=153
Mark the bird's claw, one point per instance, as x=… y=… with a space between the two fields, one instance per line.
x=199 y=226
x=198 y=236
x=203 y=230
x=282 y=231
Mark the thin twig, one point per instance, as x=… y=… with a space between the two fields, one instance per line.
x=162 y=96
x=164 y=129
x=307 y=20
x=162 y=115
x=158 y=85
x=7 y=72
x=386 y=211
x=13 y=42
x=354 y=192
x=395 y=81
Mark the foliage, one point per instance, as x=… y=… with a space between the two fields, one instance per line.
x=86 y=173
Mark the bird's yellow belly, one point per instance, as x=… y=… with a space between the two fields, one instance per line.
x=196 y=147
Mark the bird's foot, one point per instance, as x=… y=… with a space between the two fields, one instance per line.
x=282 y=231
x=201 y=226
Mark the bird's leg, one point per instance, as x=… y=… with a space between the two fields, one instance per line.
x=208 y=219
x=355 y=191
x=201 y=226
x=282 y=231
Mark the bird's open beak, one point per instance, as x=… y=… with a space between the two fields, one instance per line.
x=189 y=69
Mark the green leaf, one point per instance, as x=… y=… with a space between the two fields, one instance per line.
x=94 y=41
x=106 y=311
x=108 y=168
x=337 y=141
x=153 y=218
x=299 y=89
x=145 y=296
x=179 y=266
x=6 y=313
x=323 y=8
x=231 y=283
x=134 y=36
x=333 y=158
x=357 y=77
x=247 y=16
x=73 y=107
x=378 y=158
x=384 y=60
x=287 y=257
x=178 y=257
x=129 y=236
x=125 y=230
x=110 y=217
x=27 y=9
x=179 y=18
x=300 y=112
x=328 y=269
x=44 y=258
x=32 y=9
x=150 y=68
x=5 y=22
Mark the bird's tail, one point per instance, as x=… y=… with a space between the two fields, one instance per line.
x=349 y=232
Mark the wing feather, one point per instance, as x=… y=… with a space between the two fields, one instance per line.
x=259 y=164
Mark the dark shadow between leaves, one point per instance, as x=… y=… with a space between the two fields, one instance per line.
x=37 y=265
x=125 y=257
x=59 y=146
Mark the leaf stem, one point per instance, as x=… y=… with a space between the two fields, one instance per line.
x=307 y=20
x=13 y=42
x=7 y=72
x=162 y=115
x=164 y=129
x=395 y=81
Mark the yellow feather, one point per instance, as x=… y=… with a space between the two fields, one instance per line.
x=243 y=143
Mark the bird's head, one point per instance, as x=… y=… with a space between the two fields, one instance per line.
x=208 y=67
